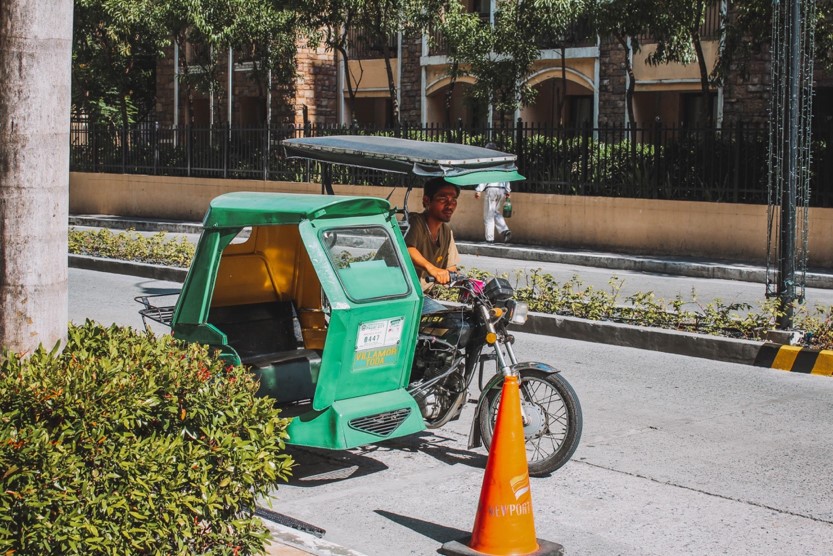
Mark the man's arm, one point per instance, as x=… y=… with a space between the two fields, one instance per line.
x=453 y=255
x=479 y=189
x=439 y=274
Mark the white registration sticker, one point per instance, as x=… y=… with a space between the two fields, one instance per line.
x=379 y=333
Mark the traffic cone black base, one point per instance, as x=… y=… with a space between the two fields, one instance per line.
x=461 y=548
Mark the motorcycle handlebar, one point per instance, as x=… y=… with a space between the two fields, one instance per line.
x=452 y=277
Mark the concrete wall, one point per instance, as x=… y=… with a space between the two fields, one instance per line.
x=681 y=228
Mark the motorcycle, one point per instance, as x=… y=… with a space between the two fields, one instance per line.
x=449 y=351
x=317 y=295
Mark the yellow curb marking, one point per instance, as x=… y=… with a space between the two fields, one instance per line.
x=786 y=357
x=824 y=364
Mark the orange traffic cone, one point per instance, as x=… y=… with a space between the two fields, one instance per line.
x=504 y=524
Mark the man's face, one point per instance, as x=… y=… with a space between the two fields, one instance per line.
x=442 y=205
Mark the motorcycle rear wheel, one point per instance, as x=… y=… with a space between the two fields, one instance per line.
x=554 y=418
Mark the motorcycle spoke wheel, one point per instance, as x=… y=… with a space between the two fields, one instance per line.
x=554 y=420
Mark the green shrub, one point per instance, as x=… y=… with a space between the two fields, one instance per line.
x=132 y=246
x=125 y=443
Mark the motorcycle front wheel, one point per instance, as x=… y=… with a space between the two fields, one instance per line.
x=553 y=419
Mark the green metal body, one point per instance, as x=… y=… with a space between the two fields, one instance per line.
x=351 y=370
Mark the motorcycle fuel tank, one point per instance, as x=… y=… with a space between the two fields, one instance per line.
x=451 y=326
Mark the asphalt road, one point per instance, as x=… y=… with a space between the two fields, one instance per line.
x=679 y=456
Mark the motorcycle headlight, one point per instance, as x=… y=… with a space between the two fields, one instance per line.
x=518 y=312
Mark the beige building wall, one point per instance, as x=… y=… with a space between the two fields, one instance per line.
x=642 y=226
x=659 y=77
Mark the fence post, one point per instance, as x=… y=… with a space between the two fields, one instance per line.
x=460 y=130
x=519 y=149
x=226 y=149
x=95 y=147
x=737 y=160
x=155 y=148
x=585 y=155
x=266 y=146
x=657 y=157
x=124 y=149
x=189 y=146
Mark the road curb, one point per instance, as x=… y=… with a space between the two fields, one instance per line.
x=140 y=225
x=795 y=359
x=655 y=339
x=115 y=266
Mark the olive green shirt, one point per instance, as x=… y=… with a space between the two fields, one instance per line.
x=441 y=253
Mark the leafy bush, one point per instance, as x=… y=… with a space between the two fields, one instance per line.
x=132 y=246
x=573 y=298
x=545 y=295
x=125 y=443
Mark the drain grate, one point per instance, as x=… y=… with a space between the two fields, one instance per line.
x=381 y=424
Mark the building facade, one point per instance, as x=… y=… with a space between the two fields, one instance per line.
x=584 y=83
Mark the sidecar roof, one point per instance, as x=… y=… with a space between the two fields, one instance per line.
x=240 y=209
x=459 y=164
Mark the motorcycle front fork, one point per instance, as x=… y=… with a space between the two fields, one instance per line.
x=504 y=362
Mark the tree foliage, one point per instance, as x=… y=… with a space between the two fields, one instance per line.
x=329 y=22
x=118 y=42
x=500 y=56
x=263 y=31
x=115 y=47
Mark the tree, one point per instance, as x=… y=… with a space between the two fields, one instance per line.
x=625 y=21
x=501 y=56
x=676 y=28
x=330 y=22
x=749 y=28
x=116 y=44
x=379 y=21
x=35 y=61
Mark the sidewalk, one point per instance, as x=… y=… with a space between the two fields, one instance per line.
x=286 y=541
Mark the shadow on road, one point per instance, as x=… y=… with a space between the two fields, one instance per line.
x=319 y=467
x=438 y=447
x=146 y=288
x=439 y=533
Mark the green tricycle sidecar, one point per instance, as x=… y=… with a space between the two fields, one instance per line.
x=313 y=268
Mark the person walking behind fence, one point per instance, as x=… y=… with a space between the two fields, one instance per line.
x=496 y=195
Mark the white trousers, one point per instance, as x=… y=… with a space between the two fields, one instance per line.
x=493 y=211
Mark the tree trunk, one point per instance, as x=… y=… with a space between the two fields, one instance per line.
x=391 y=86
x=706 y=120
x=348 y=78
x=624 y=42
x=35 y=58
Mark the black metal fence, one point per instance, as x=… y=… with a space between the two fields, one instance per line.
x=654 y=162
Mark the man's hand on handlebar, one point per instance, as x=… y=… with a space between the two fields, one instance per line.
x=450 y=276
x=439 y=275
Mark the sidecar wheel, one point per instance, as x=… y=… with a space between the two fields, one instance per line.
x=554 y=419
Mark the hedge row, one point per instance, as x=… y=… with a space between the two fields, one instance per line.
x=126 y=443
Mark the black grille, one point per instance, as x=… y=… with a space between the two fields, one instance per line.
x=381 y=424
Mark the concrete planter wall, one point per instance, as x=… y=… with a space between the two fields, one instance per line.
x=675 y=228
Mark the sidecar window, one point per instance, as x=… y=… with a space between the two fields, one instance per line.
x=366 y=262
